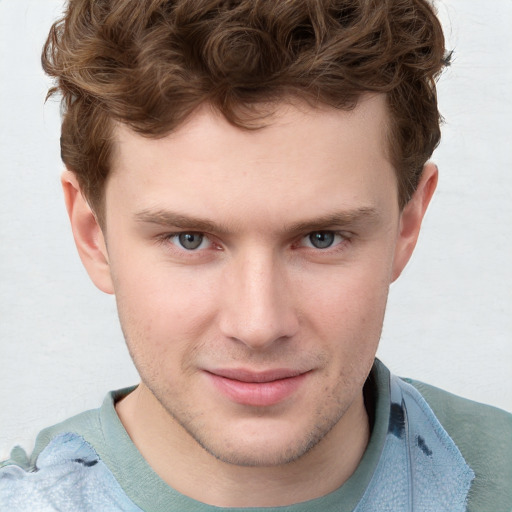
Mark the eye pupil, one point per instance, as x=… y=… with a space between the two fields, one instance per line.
x=190 y=240
x=321 y=239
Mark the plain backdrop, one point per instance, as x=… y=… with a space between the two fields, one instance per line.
x=449 y=319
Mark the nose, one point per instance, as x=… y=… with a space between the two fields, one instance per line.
x=258 y=308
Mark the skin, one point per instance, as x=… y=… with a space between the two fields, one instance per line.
x=256 y=296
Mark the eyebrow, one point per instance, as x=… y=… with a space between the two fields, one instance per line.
x=367 y=215
x=178 y=220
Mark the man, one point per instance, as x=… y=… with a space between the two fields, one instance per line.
x=248 y=178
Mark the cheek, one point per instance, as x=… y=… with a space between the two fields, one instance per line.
x=349 y=300
x=349 y=318
x=162 y=312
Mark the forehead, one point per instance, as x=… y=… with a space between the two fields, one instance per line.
x=289 y=116
x=303 y=154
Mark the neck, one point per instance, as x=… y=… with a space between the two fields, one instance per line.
x=320 y=471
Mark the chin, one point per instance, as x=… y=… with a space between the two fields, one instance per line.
x=262 y=454
x=267 y=445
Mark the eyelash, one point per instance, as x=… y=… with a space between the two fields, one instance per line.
x=346 y=238
x=167 y=240
x=331 y=246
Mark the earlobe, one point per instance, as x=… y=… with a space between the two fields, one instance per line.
x=87 y=233
x=411 y=218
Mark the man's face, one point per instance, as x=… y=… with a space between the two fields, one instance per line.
x=251 y=271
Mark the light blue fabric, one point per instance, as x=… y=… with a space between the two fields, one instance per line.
x=420 y=469
x=69 y=477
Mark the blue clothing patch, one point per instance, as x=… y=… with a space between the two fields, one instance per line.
x=420 y=468
x=69 y=476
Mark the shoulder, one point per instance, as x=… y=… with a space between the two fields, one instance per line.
x=66 y=470
x=483 y=434
x=67 y=475
x=68 y=431
x=61 y=460
x=84 y=425
x=476 y=428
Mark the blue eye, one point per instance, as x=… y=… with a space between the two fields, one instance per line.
x=322 y=239
x=190 y=241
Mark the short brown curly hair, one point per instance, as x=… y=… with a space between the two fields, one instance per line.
x=151 y=63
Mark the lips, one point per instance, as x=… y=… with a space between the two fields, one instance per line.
x=257 y=389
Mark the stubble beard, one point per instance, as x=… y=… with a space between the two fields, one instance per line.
x=197 y=428
x=226 y=451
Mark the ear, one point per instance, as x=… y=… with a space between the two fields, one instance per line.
x=411 y=218
x=87 y=232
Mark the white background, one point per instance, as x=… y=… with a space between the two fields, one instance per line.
x=449 y=318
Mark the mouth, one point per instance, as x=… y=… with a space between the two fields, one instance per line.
x=257 y=389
